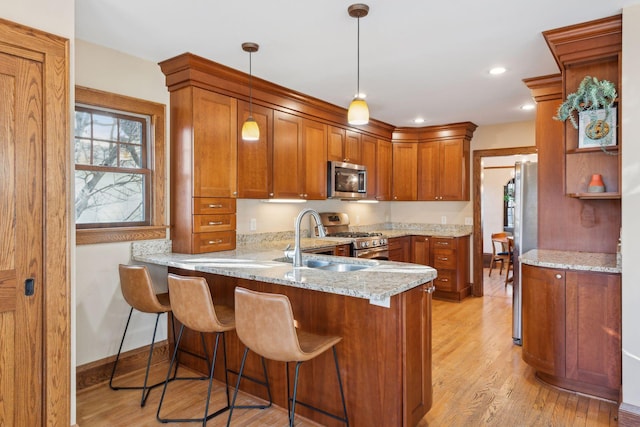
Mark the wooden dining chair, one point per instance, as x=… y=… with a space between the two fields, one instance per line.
x=499 y=251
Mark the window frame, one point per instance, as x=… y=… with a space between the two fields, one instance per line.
x=156 y=163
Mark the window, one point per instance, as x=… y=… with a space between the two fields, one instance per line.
x=119 y=168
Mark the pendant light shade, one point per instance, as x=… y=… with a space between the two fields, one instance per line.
x=250 y=129
x=358 y=113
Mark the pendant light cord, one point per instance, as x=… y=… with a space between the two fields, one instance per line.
x=250 y=87
x=358 y=79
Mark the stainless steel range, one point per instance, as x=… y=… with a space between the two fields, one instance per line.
x=363 y=245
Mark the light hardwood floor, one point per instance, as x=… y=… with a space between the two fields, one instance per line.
x=479 y=379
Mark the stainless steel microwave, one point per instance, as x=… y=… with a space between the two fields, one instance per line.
x=346 y=180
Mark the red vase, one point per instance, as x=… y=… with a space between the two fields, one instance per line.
x=596 y=185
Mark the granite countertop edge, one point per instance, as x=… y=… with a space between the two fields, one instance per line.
x=572 y=260
x=379 y=282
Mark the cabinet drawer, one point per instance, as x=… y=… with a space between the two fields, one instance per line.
x=214 y=242
x=209 y=223
x=446 y=281
x=213 y=205
x=445 y=259
x=444 y=242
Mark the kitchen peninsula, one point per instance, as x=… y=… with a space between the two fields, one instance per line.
x=383 y=313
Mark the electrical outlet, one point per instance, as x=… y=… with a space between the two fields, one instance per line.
x=468 y=220
x=253 y=224
x=357 y=219
x=443 y=219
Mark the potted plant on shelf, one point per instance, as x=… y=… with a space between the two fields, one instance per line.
x=590 y=109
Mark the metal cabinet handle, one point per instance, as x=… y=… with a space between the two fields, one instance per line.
x=443 y=258
x=430 y=289
x=214 y=242
x=215 y=222
x=215 y=206
x=558 y=276
x=443 y=280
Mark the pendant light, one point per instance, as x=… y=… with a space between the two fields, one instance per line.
x=250 y=129
x=358 y=113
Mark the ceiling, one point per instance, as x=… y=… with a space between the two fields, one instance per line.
x=417 y=58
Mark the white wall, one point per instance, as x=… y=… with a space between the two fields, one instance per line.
x=631 y=205
x=101 y=310
x=493 y=182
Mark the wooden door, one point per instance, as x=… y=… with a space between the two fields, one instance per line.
x=21 y=227
x=428 y=171
x=335 y=144
x=420 y=250
x=352 y=147
x=543 y=319
x=453 y=181
x=287 y=155
x=383 y=170
x=255 y=162
x=368 y=159
x=215 y=136
x=405 y=171
x=314 y=151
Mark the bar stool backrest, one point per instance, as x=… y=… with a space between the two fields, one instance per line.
x=192 y=304
x=265 y=324
x=137 y=289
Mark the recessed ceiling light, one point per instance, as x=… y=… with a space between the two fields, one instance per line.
x=418 y=120
x=527 y=107
x=497 y=70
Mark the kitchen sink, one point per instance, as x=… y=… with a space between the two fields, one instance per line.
x=321 y=264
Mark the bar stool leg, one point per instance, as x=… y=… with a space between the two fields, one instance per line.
x=292 y=412
x=344 y=404
x=265 y=383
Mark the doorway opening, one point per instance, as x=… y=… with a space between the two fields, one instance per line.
x=478 y=240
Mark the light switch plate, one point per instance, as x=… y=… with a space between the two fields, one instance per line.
x=443 y=219
x=253 y=224
x=468 y=221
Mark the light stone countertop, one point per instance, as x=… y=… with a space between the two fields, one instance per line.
x=584 y=261
x=377 y=283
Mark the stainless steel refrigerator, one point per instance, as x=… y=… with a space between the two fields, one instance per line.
x=525 y=232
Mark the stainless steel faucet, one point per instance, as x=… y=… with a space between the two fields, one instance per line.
x=296 y=255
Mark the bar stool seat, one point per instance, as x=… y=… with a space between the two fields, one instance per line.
x=137 y=290
x=194 y=308
x=266 y=326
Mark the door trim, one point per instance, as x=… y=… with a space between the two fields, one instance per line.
x=478 y=285
x=53 y=53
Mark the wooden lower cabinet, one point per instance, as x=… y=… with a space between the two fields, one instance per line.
x=400 y=249
x=384 y=356
x=575 y=341
x=450 y=256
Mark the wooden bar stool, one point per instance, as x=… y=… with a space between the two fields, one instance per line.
x=265 y=325
x=193 y=307
x=137 y=290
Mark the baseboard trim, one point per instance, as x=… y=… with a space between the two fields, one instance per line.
x=99 y=371
x=628 y=415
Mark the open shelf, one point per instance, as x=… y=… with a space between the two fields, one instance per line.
x=612 y=149
x=595 y=196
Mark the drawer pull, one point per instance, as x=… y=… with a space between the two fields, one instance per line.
x=215 y=222
x=214 y=242
x=443 y=280
x=442 y=243
x=443 y=259
x=430 y=289
x=215 y=206
x=558 y=276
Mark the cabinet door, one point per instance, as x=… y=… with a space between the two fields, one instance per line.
x=543 y=319
x=593 y=328
x=420 y=250
x=417 y=348
x=314 y=154
x=287 y=155
x=405 y=171
x=335 y=144
x=453 y=181
x=400 y=249
x=383 y=169
x=428 y=171
x=255 y=157
x=214 y=144
x=352 y=147
x=368 y=159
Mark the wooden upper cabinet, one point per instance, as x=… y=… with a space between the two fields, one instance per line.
x=214 y=144
x=590 y=49
x=287 y=155
x=344 y=145
x=255 y=158
x=442 y=161
x=314 y=160
x=368 y=158
x=383 y=169
x=405 y=171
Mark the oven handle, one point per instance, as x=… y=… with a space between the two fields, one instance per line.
x=373 y=253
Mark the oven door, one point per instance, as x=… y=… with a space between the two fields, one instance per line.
x=381 y=253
